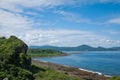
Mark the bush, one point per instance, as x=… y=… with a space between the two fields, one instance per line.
x=115 y=78
x=14 y=62
x=25 y=75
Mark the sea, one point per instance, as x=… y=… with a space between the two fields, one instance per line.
x=102 y=62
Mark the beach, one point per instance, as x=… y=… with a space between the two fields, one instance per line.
x=72 y=71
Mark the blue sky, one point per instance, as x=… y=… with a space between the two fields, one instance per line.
x=62 y=22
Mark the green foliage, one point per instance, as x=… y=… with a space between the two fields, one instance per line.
x=25 y=75
x=15 y=73
x=44 y=52
x=14 y=62
x=12 y=45
x=13 y=51
x=115 y=78
x=51 y=74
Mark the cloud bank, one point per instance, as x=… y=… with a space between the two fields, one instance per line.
x=12 y=22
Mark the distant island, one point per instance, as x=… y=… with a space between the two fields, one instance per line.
x=78 y=48
x=45 y=53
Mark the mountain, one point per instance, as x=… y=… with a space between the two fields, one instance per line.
x=78 y=48
x=45 y=47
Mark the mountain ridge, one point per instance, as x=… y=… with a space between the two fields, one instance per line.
x=77 y=48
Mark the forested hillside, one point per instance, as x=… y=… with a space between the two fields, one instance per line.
x=15 y=63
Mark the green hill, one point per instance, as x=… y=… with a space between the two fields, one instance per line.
x=15 y=63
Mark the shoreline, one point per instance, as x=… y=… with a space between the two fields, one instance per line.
x=72 y=71
x=63 y=54
x=94 y=72
x=79 y=69
x=99 y=73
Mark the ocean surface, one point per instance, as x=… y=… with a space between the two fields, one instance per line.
x=105 y=62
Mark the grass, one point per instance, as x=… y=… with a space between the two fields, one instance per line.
x=50 y=74
x=44 y=73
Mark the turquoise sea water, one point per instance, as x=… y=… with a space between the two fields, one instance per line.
x=107 y=63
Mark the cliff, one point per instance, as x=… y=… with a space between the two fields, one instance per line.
x=14 y=61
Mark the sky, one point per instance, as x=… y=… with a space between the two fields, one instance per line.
x=62 y=22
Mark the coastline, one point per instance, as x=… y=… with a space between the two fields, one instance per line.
x=72 y=71
x=63 y=54
x=94 y=72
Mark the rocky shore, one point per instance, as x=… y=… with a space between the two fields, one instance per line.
x=85 y=75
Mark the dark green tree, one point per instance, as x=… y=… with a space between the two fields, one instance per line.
x=15 y=64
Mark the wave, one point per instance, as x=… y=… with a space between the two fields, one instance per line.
x=93 y=72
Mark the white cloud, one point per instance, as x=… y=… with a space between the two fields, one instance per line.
x=112 y=32
x=73 y=17
x=64 y=37
x=71 y=38
x=19 y=5
x=11 y=20
x=12 y=23
x=114 y=21
x=77 y=18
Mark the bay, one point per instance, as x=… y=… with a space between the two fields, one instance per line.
x=105 y=62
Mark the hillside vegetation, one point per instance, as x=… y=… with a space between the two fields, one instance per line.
x=15 y=63
x=44 y=53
